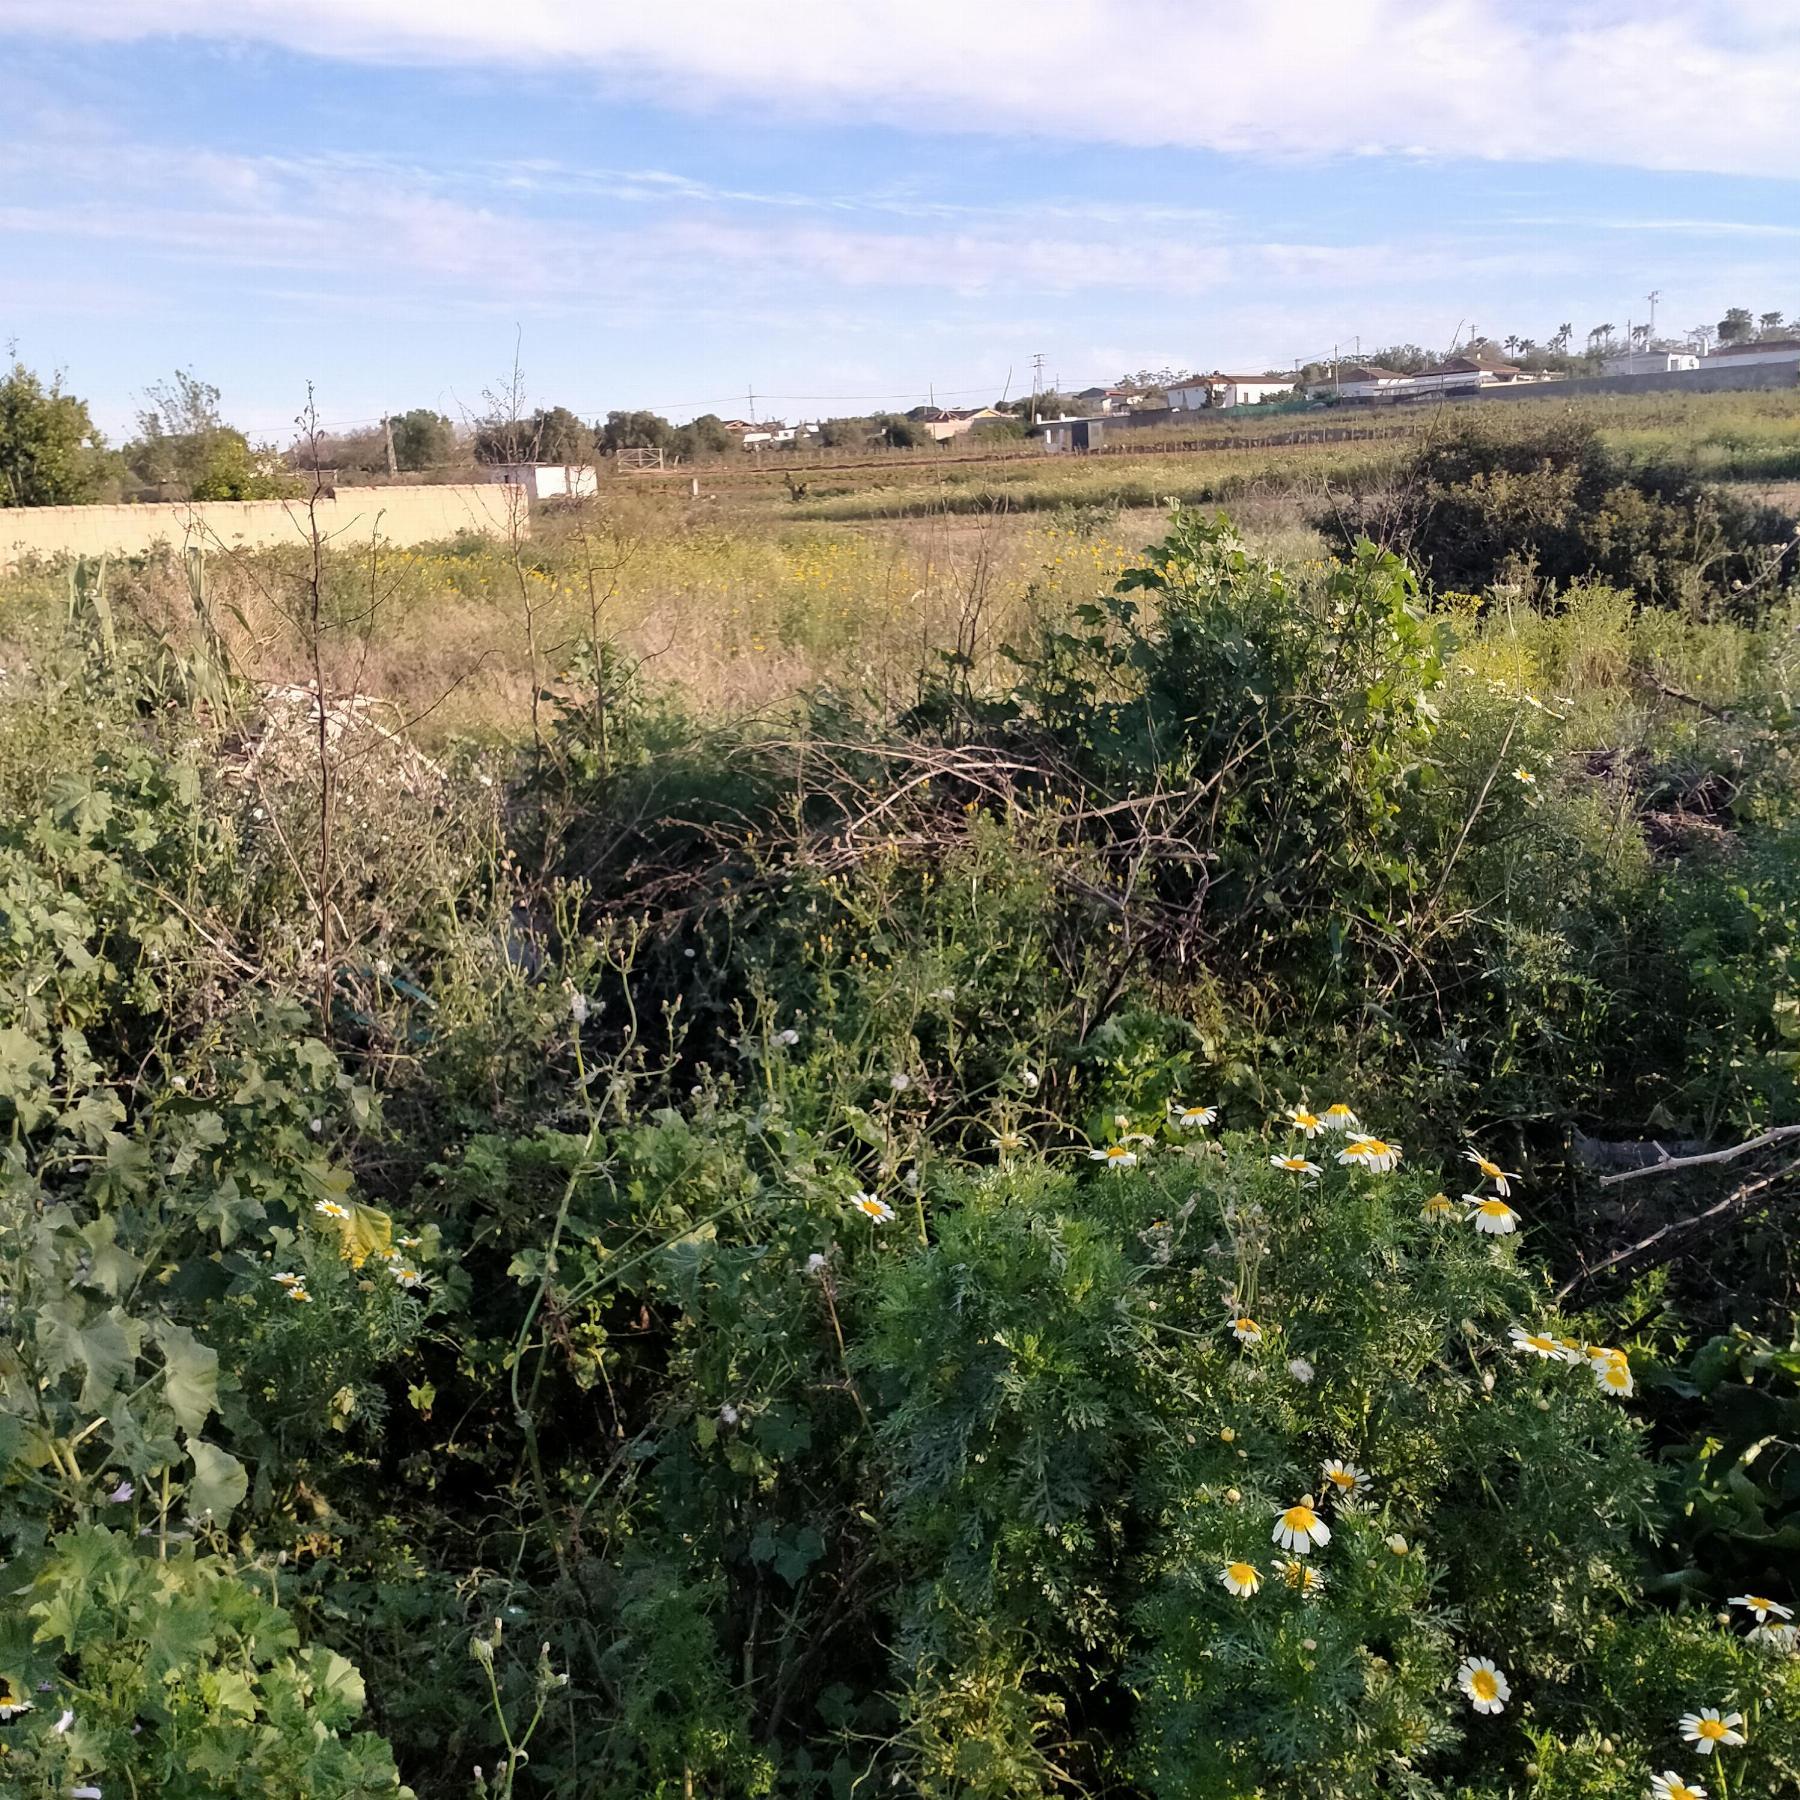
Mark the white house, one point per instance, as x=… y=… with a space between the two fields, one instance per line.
x=1216 y=389
x=549 y=481
x=1649 y=362
x=1362 y=381
x=1757 y=350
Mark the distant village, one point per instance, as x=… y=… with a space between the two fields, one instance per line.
x=1083 y=420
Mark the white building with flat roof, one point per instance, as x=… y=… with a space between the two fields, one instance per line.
x=549 y=481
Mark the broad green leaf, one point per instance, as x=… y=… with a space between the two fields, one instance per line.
x=104 y=1349
x=219 y=1483
x=190 y=1375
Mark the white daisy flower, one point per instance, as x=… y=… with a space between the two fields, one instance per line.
x=1396 y=1543
x=1338 y=1117
x=1344 y=1478
x=406 y=1275
x=1299 y=1528
x=1246 y=1330
x=1191 y=1118
x=1437 y=1209
x=1762 y=1608
x=871 y=1207
x=1241 y=1578
x=13 y=1699
x=287 y=1279
x=1487 y=1688
x=1296 y=1165
x=1709 y=1728
x=1534 y=1343
x=1785 y=1638
x=1115 y=1156
x=1611 y=1371
x=331 y=1209
x=1489 y=1214
x=1308 y=1122
x=298 y=1292
x=1006 y=1142
x=1307 y=1581
x=788 y=1038
x=1524 y=777
x=1501 y=1178
x=1370 y=1153
x=1670 y=1786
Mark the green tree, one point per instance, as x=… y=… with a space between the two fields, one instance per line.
x=423 y=439
x=1768 y=322
x=636 y=431
x=1736 y=325
x=50 y=453
x=704 y=436
x=184 y=442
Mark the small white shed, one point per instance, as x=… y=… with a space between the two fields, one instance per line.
x=549 y=481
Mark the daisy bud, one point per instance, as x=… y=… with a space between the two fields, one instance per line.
x=1232 y=1496
x=1309 y=1643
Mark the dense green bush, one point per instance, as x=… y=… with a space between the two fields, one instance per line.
x=1484 y=501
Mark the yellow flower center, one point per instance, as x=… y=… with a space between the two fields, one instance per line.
x=1483 y=1685
x=1758 y=1604
x=1490 y=1170
x=1341 y=1478
x=1116 y=1150
x=1241 y=1573
x=1305 y=1118
x=1299 y=1518
x=1494 y=1209
x=1248 y=1327
x=1713 y=1729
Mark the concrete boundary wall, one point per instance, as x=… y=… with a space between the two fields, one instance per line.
x=1712 y=377
x=348 y=517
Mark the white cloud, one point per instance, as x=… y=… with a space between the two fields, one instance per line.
x=1662 y=84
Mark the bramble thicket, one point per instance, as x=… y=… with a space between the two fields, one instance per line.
x=1083 y=1224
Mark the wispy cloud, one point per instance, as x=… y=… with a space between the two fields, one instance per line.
x=1703 y=84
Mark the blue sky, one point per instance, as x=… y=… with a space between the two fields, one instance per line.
x=849 y=203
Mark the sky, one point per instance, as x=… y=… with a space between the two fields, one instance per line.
x=840 y=205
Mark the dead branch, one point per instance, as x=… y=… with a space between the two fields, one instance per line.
x=1670 y=1165
x=1677 y=1231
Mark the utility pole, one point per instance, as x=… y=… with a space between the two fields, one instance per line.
x=387 y=431
x=750 y=398
x=1654 y=296
x=1037 y=382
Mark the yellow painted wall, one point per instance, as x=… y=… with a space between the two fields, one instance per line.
x=397 y=515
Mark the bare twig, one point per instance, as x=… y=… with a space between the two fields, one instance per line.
x=1677 y=1230
x=1671 y=1165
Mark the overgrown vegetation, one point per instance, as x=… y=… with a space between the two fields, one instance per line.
x=1486 y=501
x=808 y=1252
